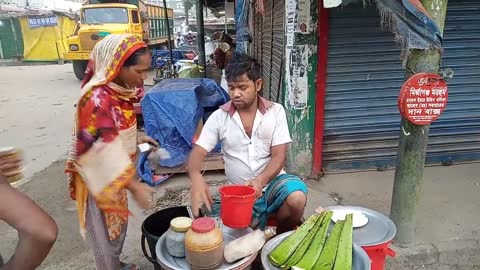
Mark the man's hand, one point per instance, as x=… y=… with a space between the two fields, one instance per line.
x=143 y=138
x=200 y=194
x=142 y=194
x=257 y=185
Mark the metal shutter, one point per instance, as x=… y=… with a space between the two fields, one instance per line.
x=266 y=59
x=364 y=78
x=256 y=46
x=278 y=51
x=268 y=46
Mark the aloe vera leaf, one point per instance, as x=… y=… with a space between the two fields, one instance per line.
x=329 y=253
x=343 y=261
x=286 y=248
x=313 y=253
x=302 y=248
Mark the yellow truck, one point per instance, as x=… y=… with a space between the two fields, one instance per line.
x=99 y=18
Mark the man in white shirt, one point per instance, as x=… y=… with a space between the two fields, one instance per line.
x=254 y=136
x=179 y=40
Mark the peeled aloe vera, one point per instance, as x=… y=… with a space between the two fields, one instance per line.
x=282 y=252
x=313 y=253
x=327 y=258
x=343 y=261
x=302 y=248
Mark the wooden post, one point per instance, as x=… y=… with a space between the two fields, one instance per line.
x=413 y=140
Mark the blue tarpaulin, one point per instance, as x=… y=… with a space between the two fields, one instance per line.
x=171 y=113
x=241 y=19
x=411 y=24
x=159 y=57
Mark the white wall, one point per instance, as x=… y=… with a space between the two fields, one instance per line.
x=42 y=4
x=64 y=5
x=17 y=3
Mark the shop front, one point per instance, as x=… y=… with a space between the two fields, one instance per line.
x=339 y=71
x=363 y=79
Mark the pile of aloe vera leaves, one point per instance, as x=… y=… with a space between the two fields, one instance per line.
x=313 y=247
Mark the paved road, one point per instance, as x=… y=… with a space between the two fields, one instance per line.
x=36 y=112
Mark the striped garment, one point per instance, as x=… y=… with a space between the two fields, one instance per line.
x=106 y=252
x=275 y=195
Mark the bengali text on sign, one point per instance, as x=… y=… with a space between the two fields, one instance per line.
x=423 y=98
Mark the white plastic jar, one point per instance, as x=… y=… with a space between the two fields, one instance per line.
x=175 y=236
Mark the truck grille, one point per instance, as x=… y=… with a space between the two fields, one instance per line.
x=88 y=40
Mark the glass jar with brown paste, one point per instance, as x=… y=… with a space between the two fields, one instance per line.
x=204 y=245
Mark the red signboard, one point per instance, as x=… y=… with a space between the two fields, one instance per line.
x=423 y=98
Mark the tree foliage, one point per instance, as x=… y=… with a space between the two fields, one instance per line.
x=189 y=4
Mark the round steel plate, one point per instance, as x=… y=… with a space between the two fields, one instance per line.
x=379 y=229
x=171 y=263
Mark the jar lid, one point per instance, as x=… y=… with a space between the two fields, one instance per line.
x=203 y=225
x=181 y=224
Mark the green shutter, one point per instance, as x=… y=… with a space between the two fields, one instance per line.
x=11 y=48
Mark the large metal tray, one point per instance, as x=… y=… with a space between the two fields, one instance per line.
x=379 y=230
x=171 y=263
x=360 y=259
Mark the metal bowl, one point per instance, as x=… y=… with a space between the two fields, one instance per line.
x=171 y=263
x=360 y=259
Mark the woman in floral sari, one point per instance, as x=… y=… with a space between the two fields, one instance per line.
x=101 y=161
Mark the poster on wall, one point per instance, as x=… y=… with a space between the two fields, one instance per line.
x=296 y=76
x=44 y=21
x=290 y=25
x=302 y=16
x=297 y=19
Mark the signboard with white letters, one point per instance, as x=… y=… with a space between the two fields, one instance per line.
x=43 y=21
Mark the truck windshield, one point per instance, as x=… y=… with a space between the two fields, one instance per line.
x=105 y=15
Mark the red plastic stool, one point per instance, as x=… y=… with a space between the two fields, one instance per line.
x=272 y=221
x=378 y=255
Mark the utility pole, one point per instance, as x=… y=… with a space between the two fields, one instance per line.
x=413 y=140
x=201 y=38
x=225 y=18
x=169 y=34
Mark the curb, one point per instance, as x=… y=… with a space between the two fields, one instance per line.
x=456 y=253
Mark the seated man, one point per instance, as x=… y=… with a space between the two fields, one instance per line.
x=254 y=136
